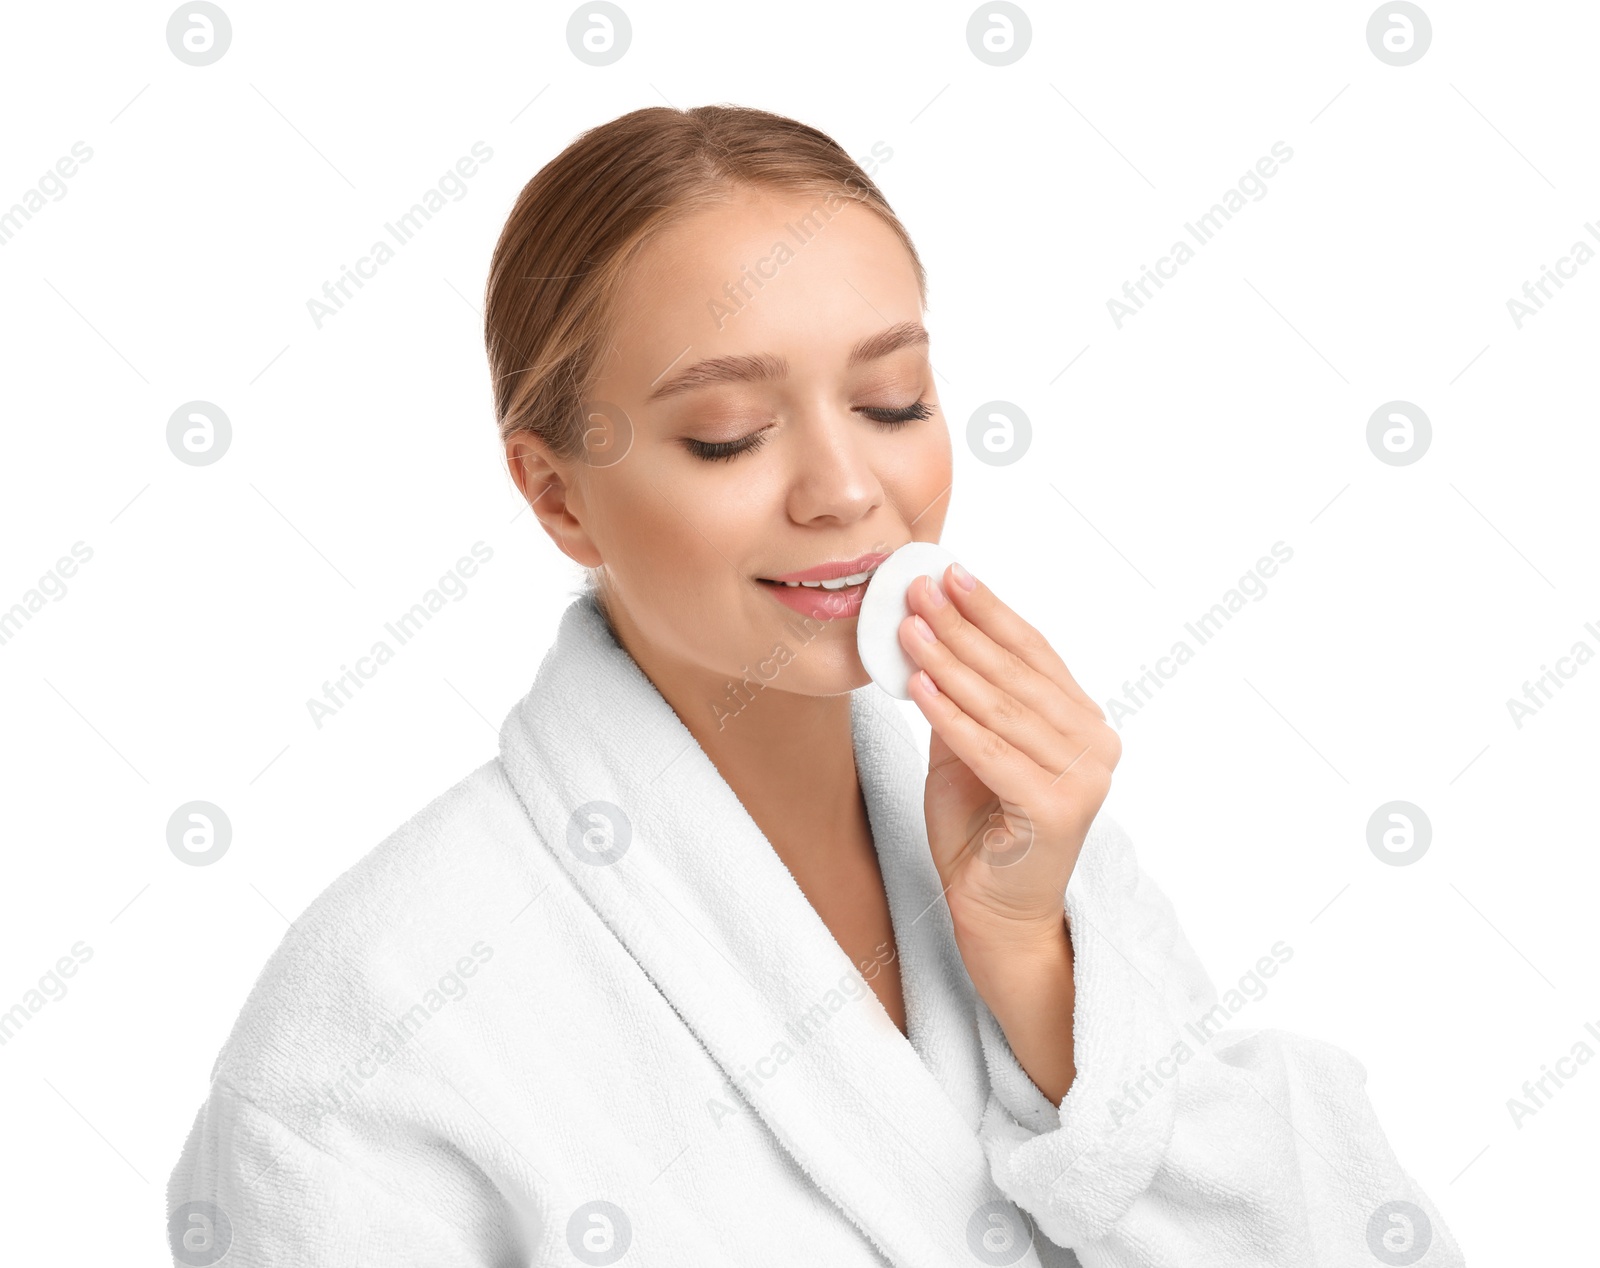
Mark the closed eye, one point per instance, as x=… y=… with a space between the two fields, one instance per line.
x=894 y=417
x=726 y=450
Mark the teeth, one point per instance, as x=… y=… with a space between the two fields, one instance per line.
x=838 y=583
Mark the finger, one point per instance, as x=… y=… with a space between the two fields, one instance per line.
x=1005 y=769
x=986 y=703
x=983 y=609
x=997 y=662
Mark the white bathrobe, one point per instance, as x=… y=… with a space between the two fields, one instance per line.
x=577 y=1011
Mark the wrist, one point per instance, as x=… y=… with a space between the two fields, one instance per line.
x=1013 y=959
x=985 y=935
x=1027 y=984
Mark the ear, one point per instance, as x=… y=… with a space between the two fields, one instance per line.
x=552 y=491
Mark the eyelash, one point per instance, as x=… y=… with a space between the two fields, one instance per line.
x=725 y=450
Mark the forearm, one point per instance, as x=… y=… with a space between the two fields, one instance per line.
x=1028 y=987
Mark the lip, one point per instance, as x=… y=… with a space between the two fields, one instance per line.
x=829 y=571
x=820 y=605
x=825 y=605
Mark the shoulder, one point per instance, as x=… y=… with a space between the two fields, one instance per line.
x=381 y=933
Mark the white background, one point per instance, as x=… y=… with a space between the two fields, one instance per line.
x=1230 y=414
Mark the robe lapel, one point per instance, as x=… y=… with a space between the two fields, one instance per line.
x=665 y=853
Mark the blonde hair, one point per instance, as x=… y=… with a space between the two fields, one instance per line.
x=585 y=216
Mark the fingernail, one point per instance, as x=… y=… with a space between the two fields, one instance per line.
x=963 y=577
x=928 y=682
x=936 y=594
x=924 y=629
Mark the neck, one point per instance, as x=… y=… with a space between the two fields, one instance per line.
x=790 y=759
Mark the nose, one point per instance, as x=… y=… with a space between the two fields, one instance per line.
x=832 y=475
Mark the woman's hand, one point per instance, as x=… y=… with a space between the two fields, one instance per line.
x=1019 y=763
x=1018 y=766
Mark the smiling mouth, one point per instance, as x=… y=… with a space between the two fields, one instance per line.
x=838 y=583
x=848 y=574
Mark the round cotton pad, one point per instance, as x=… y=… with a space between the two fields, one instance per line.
x=884 y=606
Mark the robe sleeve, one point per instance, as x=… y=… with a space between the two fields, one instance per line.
x=249 y=1193
x=1183 y=1142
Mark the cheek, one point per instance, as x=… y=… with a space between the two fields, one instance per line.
x=922 y=490
x=681 y=541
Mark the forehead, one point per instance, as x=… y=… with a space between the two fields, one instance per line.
x=802 y=275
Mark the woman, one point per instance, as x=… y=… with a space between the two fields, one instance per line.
x=711 y=965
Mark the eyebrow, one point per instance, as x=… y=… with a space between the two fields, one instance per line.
x=764 y=366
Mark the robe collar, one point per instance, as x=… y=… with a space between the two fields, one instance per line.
x=667 y=856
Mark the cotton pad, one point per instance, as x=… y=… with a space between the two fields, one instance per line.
x=884 y=606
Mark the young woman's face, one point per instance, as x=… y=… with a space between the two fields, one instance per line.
x=747 y=426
